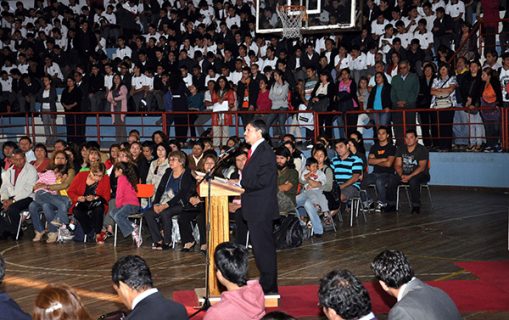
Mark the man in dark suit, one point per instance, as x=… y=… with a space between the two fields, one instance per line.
x=9 y=309
x=259 y=203
x=132 y=281
x=342 y=296
x=416 y=300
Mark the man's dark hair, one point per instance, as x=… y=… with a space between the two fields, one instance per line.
x=133 y=271
x=393 y=268
x=411 y=131
x=259 y=124
x=277 y=315
x=11 y=144
x=25 y=138
x=342 y=140
x=341 y=291
x=386 y=130
x=232 y=260
x=283 y=151
x=310 y=161
x=63 y=142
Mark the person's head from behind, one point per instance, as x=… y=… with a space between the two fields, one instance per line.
x=57 y=302
x=392 y=269
x=277 y=315
x=312 y=164
x=231 y=263
x=342 y=296
x=131 y=276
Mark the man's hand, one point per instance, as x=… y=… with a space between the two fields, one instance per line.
x=158 y=208
x=6 y=204
x=401 y=104
x=405 y=178
x=81 y=199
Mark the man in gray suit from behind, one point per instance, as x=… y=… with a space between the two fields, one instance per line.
x=416 y=300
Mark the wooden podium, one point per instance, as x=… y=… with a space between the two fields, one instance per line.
x=219 y=226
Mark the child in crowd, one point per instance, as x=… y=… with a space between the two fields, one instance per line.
x=313 y=180
x=242 y=299
x=126 y=202
x=49 y=177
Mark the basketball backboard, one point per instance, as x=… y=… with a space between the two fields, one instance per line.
x=323 y=15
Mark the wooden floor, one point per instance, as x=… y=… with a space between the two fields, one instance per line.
x=461 y=226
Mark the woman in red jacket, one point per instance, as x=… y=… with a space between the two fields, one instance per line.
x=90 y=193
x=221 y=122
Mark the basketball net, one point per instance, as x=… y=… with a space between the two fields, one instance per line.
x=291 y=18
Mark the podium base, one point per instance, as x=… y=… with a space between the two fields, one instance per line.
x=271 y=301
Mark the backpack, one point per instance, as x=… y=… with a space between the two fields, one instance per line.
x=333 y=196
x=289 y=233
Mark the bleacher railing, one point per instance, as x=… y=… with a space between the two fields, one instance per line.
x=100 y=127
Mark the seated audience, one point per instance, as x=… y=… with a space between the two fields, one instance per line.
x=126 y=202
x=411 y=165
x=132 y=280
x=381 y=157
x=25 y=144
x=59 y=302
x=287 y=181
x=41 y=161
x=16 y=192
x=174 y=191
x=342 y=296
x=90 y=193
x=242 y=299
x=347 y=170
x=9 y=309
x=416 y=300
x=159 y=165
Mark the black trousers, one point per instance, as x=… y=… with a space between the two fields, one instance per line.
x=399 y=128
x=415 y=188
x=443 y=120
x=427 y=128
x=165 y=218
x=264 y=248
x=186 y=231
x=13 y=215
x=90 y=220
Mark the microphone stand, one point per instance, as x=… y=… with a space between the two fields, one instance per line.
x=208 y=177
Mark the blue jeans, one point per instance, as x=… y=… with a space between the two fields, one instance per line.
x=306 y=206
x=120 y=216
x=53 y=206
x=280 y=118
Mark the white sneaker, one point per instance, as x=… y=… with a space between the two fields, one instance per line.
x=136 y=236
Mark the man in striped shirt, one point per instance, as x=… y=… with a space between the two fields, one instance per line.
x=347 y=169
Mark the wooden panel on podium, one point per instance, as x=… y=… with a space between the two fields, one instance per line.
x=219 y=222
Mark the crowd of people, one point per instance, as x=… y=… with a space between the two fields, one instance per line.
x=207 y=56
x=341 y=294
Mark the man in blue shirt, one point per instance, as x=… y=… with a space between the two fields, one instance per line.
x=347 y=169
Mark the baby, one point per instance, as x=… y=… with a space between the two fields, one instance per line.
x=48 y=178
x=315 y=194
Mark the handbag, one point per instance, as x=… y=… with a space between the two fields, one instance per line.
x=89 y=205
x=443 y=102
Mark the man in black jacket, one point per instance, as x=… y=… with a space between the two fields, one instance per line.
x=132 y=280
x=259 y=203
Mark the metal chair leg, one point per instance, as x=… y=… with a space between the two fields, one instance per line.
x=115 y=235
x=408 y=197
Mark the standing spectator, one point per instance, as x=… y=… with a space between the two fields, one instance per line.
x=442 y=29
x=71 y=101
x=117 y=97
x=416 y=300
x=321 y=98
x=491 y=16
x=443 y=97
x=96 y=90
x=247 y=94
x=194 y=104
x=132 y=280
x=428 y=127
x=48 y=99
x=16 y=191
x=411 y=165
x=491 y=97
x=279 y=92
x=404 y=92
x=504 y=78
x=30 y=88
x=221 y=121
x=178 y=92
x=380 y=100
x=346 y=101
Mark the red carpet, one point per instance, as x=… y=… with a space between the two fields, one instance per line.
x=489 y=293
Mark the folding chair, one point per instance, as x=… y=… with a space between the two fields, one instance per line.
x=145 y=191
x=23 y=216
x=406 y=187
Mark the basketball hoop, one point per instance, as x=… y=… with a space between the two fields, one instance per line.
x=292 y=17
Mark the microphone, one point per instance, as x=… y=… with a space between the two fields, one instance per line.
x=230 y=151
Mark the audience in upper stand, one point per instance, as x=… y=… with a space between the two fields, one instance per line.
x=342 y=296
x=132 y=280
x=416 y=300
x=242 y=299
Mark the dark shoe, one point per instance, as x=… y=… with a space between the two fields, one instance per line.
x=157 y=246
x=188 y=249
x=389 y=209
x=416 y=210
x=318 y=235
x=165 y=247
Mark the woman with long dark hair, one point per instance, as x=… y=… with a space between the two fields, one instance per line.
x=117 y=97
x=221 y=122
x=346 y=99
x=444 y=97
x=491 y=97
x=71 y=101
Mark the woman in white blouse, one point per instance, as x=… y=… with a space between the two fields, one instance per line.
x=158 y=167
